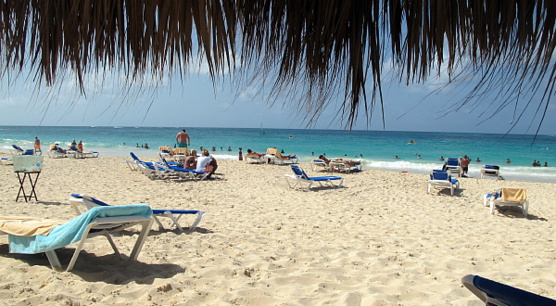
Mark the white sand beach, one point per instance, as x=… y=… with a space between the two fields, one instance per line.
x=380 y=240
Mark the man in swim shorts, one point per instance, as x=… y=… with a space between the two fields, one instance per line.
x=37 y=144
x=183 y=139
x=465 y=165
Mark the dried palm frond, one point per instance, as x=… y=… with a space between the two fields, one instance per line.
x=312 y=50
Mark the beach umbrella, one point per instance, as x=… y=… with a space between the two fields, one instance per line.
x=313 y=50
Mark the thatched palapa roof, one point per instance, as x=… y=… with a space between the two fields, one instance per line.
x=321 y=46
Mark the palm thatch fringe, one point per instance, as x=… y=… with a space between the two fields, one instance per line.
x=314 y=47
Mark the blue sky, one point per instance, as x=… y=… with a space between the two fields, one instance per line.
x=196 y=103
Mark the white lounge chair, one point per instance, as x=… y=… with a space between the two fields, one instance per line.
x=82 y=203
x=442 y=179
x=319 y=164
x=490 y=170
x=165 y=151
x=55 y=152
x=253 y=158
x=342 y=166
x=274 y=156
x=32 y=235
x=152 y=170
x=453 y=166
x=179 y=154
x=301 y=177
x=504 y=196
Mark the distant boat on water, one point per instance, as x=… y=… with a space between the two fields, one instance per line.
x=262 y=130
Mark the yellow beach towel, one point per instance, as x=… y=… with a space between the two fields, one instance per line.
x=181 y=151
x=514 y=194
x=27 y=226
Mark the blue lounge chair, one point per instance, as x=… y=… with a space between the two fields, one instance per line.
x=138 y=161
x=301 y=177
x=150 y=169
x=442 y=179
x=5 y=160
x=453 y=166
x=182 y=172
x=497 y=294
x=77 y=201
x=26 y=236
x=74 y=152
x=56 y=152
x=16 y=150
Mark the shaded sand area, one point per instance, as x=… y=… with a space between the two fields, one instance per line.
x=381 y=240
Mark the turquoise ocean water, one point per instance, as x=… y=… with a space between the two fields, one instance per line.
x=377 y=148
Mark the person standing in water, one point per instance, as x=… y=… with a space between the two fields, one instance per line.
x=183 y=139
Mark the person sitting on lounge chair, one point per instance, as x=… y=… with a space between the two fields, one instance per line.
x=56 y=147
x=207 y=163
x=249 y=151
x=191 y=161
x=350 y=163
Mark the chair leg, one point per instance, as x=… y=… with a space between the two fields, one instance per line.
x=288 y=182
x=145 y=229
x=175 y=221
x=78 y=249
x=53 y=259
x=197 y=221
x=112 y=244
x=160 y=226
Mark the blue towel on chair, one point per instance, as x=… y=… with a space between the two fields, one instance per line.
x=73 y=230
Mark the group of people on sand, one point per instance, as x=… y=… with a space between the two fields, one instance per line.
x=205 y=162
x=56 y=147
